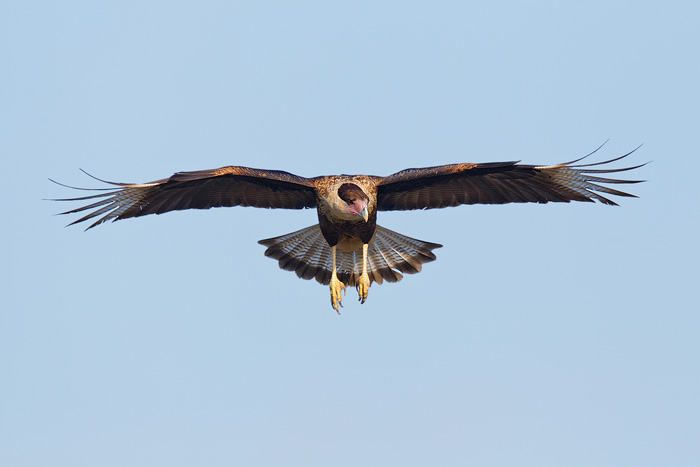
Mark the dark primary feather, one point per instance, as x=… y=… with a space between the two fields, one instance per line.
x=497 y=183
x=204 y=189
x=425 y=188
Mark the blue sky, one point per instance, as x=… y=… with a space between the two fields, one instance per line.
x=542 y=335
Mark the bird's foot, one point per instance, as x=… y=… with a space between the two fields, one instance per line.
x=363 y=287
x=336 y=297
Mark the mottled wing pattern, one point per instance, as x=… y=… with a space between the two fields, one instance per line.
x=204 y=189
x=498 y=183
x=307 y=253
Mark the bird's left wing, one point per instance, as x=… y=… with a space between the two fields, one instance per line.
x=497 y=183
x=203 y=189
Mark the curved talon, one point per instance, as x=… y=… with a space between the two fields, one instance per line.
x=336 y=297
x=363 y=287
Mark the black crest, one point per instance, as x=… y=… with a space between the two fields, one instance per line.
x=350 y=192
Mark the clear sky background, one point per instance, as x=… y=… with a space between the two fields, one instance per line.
x=544 y=335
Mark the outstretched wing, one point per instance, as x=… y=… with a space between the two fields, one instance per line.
x=204 y=189
x=498 y=183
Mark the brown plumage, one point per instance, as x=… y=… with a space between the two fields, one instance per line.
x=347 y=247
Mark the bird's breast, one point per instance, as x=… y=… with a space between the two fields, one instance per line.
x=349 y=244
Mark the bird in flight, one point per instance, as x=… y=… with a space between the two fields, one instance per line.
x=347 y=248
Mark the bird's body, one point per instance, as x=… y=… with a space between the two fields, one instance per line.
x=347 y=247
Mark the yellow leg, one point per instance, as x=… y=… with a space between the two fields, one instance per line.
x=363 y=284
x=336 y=286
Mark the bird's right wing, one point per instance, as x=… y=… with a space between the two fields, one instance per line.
x=203 y=189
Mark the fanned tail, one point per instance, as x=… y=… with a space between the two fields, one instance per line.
x=390 y=254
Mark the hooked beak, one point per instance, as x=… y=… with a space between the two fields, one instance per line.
x=364 y=214
x=359 y=208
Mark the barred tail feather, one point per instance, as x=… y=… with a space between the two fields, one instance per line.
x=390 y=254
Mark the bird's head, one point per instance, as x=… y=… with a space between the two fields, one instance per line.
x=355 y=201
